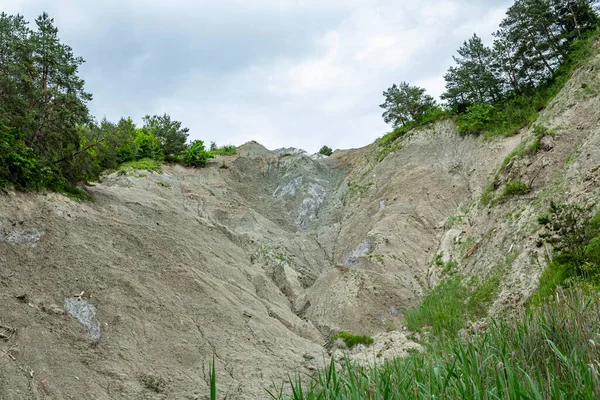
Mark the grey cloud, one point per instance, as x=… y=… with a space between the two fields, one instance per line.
x=282 y=72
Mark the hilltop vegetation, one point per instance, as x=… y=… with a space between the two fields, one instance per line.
x=48 y=139
x=497 y=90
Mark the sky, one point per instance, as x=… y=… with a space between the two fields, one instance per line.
x=286 y=73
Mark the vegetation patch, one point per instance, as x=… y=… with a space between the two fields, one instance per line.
x=146 y=164
x=228 y=150
x=154 y=383
x=574 y=233
x=549 y=353
x=326 y=151
x=515 y=187
x=352 y=340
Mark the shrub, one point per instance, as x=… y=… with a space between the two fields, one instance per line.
x=147 y=145
x=352 y=340
x=196 y=155
x=477 y=118
x=326 y=151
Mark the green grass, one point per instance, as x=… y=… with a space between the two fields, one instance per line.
x=446 y=308
x=144 y=164
x=515 y=187
x=224 y=151
x=552 y=352
x=352 y=340
x=388 y=142
x=576 y=265
x=441 y=310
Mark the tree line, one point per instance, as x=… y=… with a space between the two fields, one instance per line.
x=503 y=84
x=48 y=139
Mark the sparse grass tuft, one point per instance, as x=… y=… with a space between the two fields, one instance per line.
x=352 y=340
x=515 y=188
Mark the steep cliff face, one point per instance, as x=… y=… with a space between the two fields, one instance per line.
x=131 y=295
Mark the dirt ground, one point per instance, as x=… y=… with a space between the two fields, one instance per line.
x=132 y=295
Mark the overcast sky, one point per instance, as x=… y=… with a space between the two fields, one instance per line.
x=299 y=73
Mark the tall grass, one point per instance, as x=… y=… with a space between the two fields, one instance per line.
x=552 y=352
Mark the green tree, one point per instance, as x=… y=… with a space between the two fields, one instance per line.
x=196 y=155
x=472 y=80
x=147 y=145
x=405 y=103
x=171 y=136
x=326 y=151
x=41 y=94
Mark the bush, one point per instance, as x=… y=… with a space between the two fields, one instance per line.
x=477 y=118
x=17 y=161
x=326 y=151
x=147 y=145
x=196 y=155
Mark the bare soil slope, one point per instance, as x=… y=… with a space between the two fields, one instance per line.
x=130 y=296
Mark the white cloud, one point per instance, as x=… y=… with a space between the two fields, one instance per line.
x=285 y=73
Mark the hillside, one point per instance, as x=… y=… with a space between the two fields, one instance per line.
x=262 y=262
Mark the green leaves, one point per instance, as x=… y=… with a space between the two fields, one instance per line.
x=196 y=155
x=41 y=94
x=326 y=151
x=472 y=80
x=171 y=136
x=404 y=104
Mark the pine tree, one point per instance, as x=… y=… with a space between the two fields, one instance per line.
x=472 y=80
x=405 y=103
x=171 y=136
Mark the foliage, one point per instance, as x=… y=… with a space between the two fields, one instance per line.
x=169 y=134
x=442 y=309
x=446 y=308
x=574 y=233
x=569 y=228
x=498 y=90
x=515 y=187
x=223 y=150
x=41 y=94
x=147 y=164
x=352 y=340
x=477 y=118
x=550 y=352
x=472 y=81
x=196 y=155
x=404 y=104
x=147 y=145
x=47 y=138
x=326 y=151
